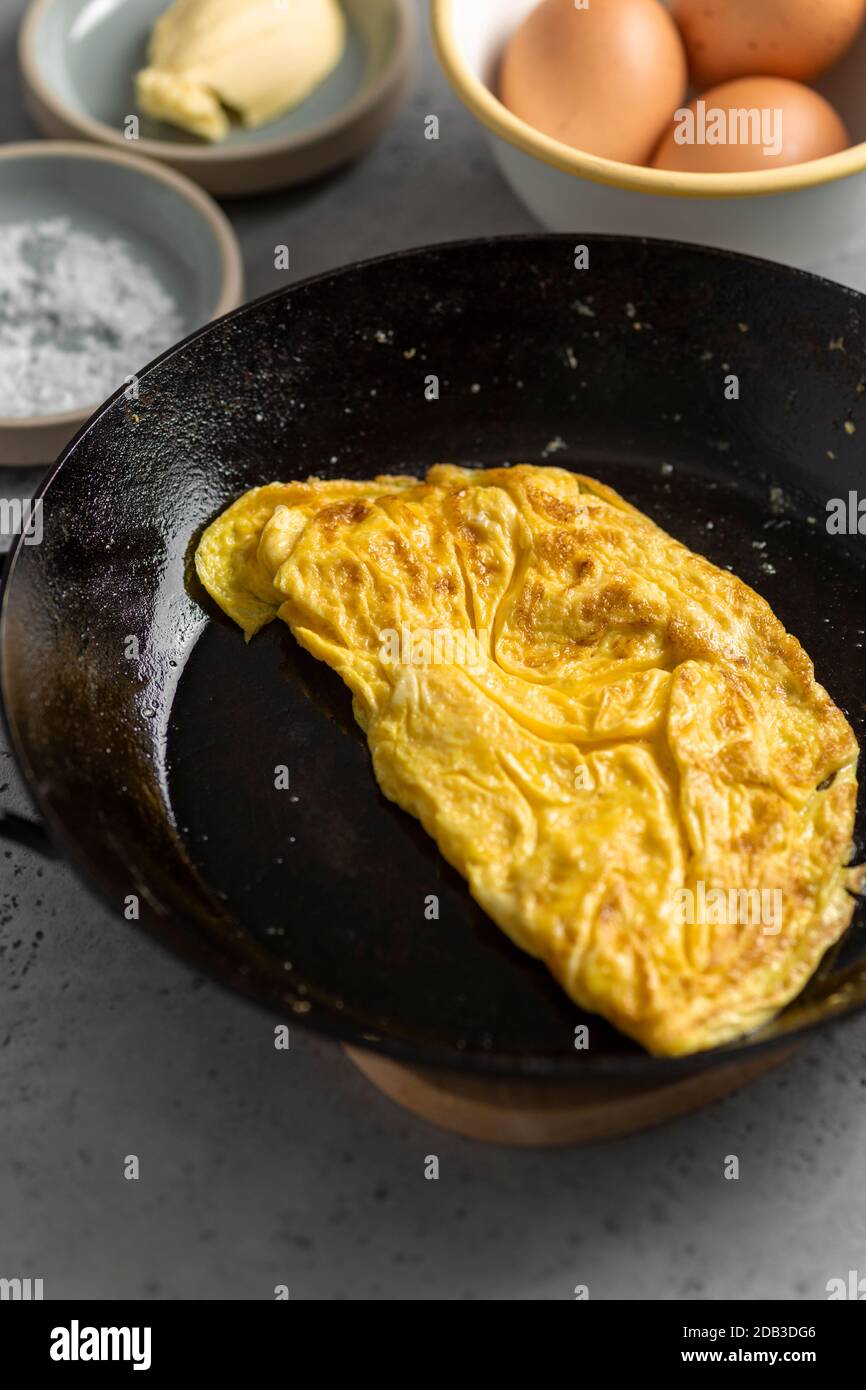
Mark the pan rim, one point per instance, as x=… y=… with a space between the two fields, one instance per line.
x=561 y=1068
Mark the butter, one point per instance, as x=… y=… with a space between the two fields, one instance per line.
x=254 y=59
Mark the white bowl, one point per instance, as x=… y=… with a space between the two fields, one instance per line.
x=797 y=215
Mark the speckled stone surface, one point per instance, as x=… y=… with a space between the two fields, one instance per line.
x=259 y=1167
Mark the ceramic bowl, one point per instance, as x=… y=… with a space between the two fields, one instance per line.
x=794 y=215
x=79 y=59
x=173 y=228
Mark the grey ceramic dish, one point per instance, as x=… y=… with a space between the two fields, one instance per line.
x=79 y=59
x=172 y=226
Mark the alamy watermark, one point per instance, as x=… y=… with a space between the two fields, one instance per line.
x=716 y=125
x=729 y=907
x=22 y=516
x=846 y=516
x=434 y=647
x=20 y=1290
x=77 y=1343
x=852 y=1288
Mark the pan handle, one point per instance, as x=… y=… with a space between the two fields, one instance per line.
x=29 y=833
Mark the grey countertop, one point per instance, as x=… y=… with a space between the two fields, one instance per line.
x=260 y=1167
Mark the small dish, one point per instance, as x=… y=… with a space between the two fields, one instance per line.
x=79 y=59
x=170 y=226
x=794 y=215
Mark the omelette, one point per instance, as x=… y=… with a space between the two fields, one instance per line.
x=616 y=743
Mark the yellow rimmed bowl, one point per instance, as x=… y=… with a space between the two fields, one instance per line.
x=795 y=215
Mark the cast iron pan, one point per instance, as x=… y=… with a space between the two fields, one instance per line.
x=155 y=774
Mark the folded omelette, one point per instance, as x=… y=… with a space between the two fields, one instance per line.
x=617 y=744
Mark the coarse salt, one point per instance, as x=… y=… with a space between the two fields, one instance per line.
x=79 y=315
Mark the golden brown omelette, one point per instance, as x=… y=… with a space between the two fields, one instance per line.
x=616 y=743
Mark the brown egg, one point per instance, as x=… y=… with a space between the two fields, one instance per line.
x=604 y=79
x=782 y=38
x=729 y=128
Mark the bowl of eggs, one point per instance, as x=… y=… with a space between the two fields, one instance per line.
x=739 y=124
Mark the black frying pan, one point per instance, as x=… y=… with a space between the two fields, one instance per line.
x=155 y=776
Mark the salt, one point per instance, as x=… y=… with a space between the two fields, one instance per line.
x=79 y=314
